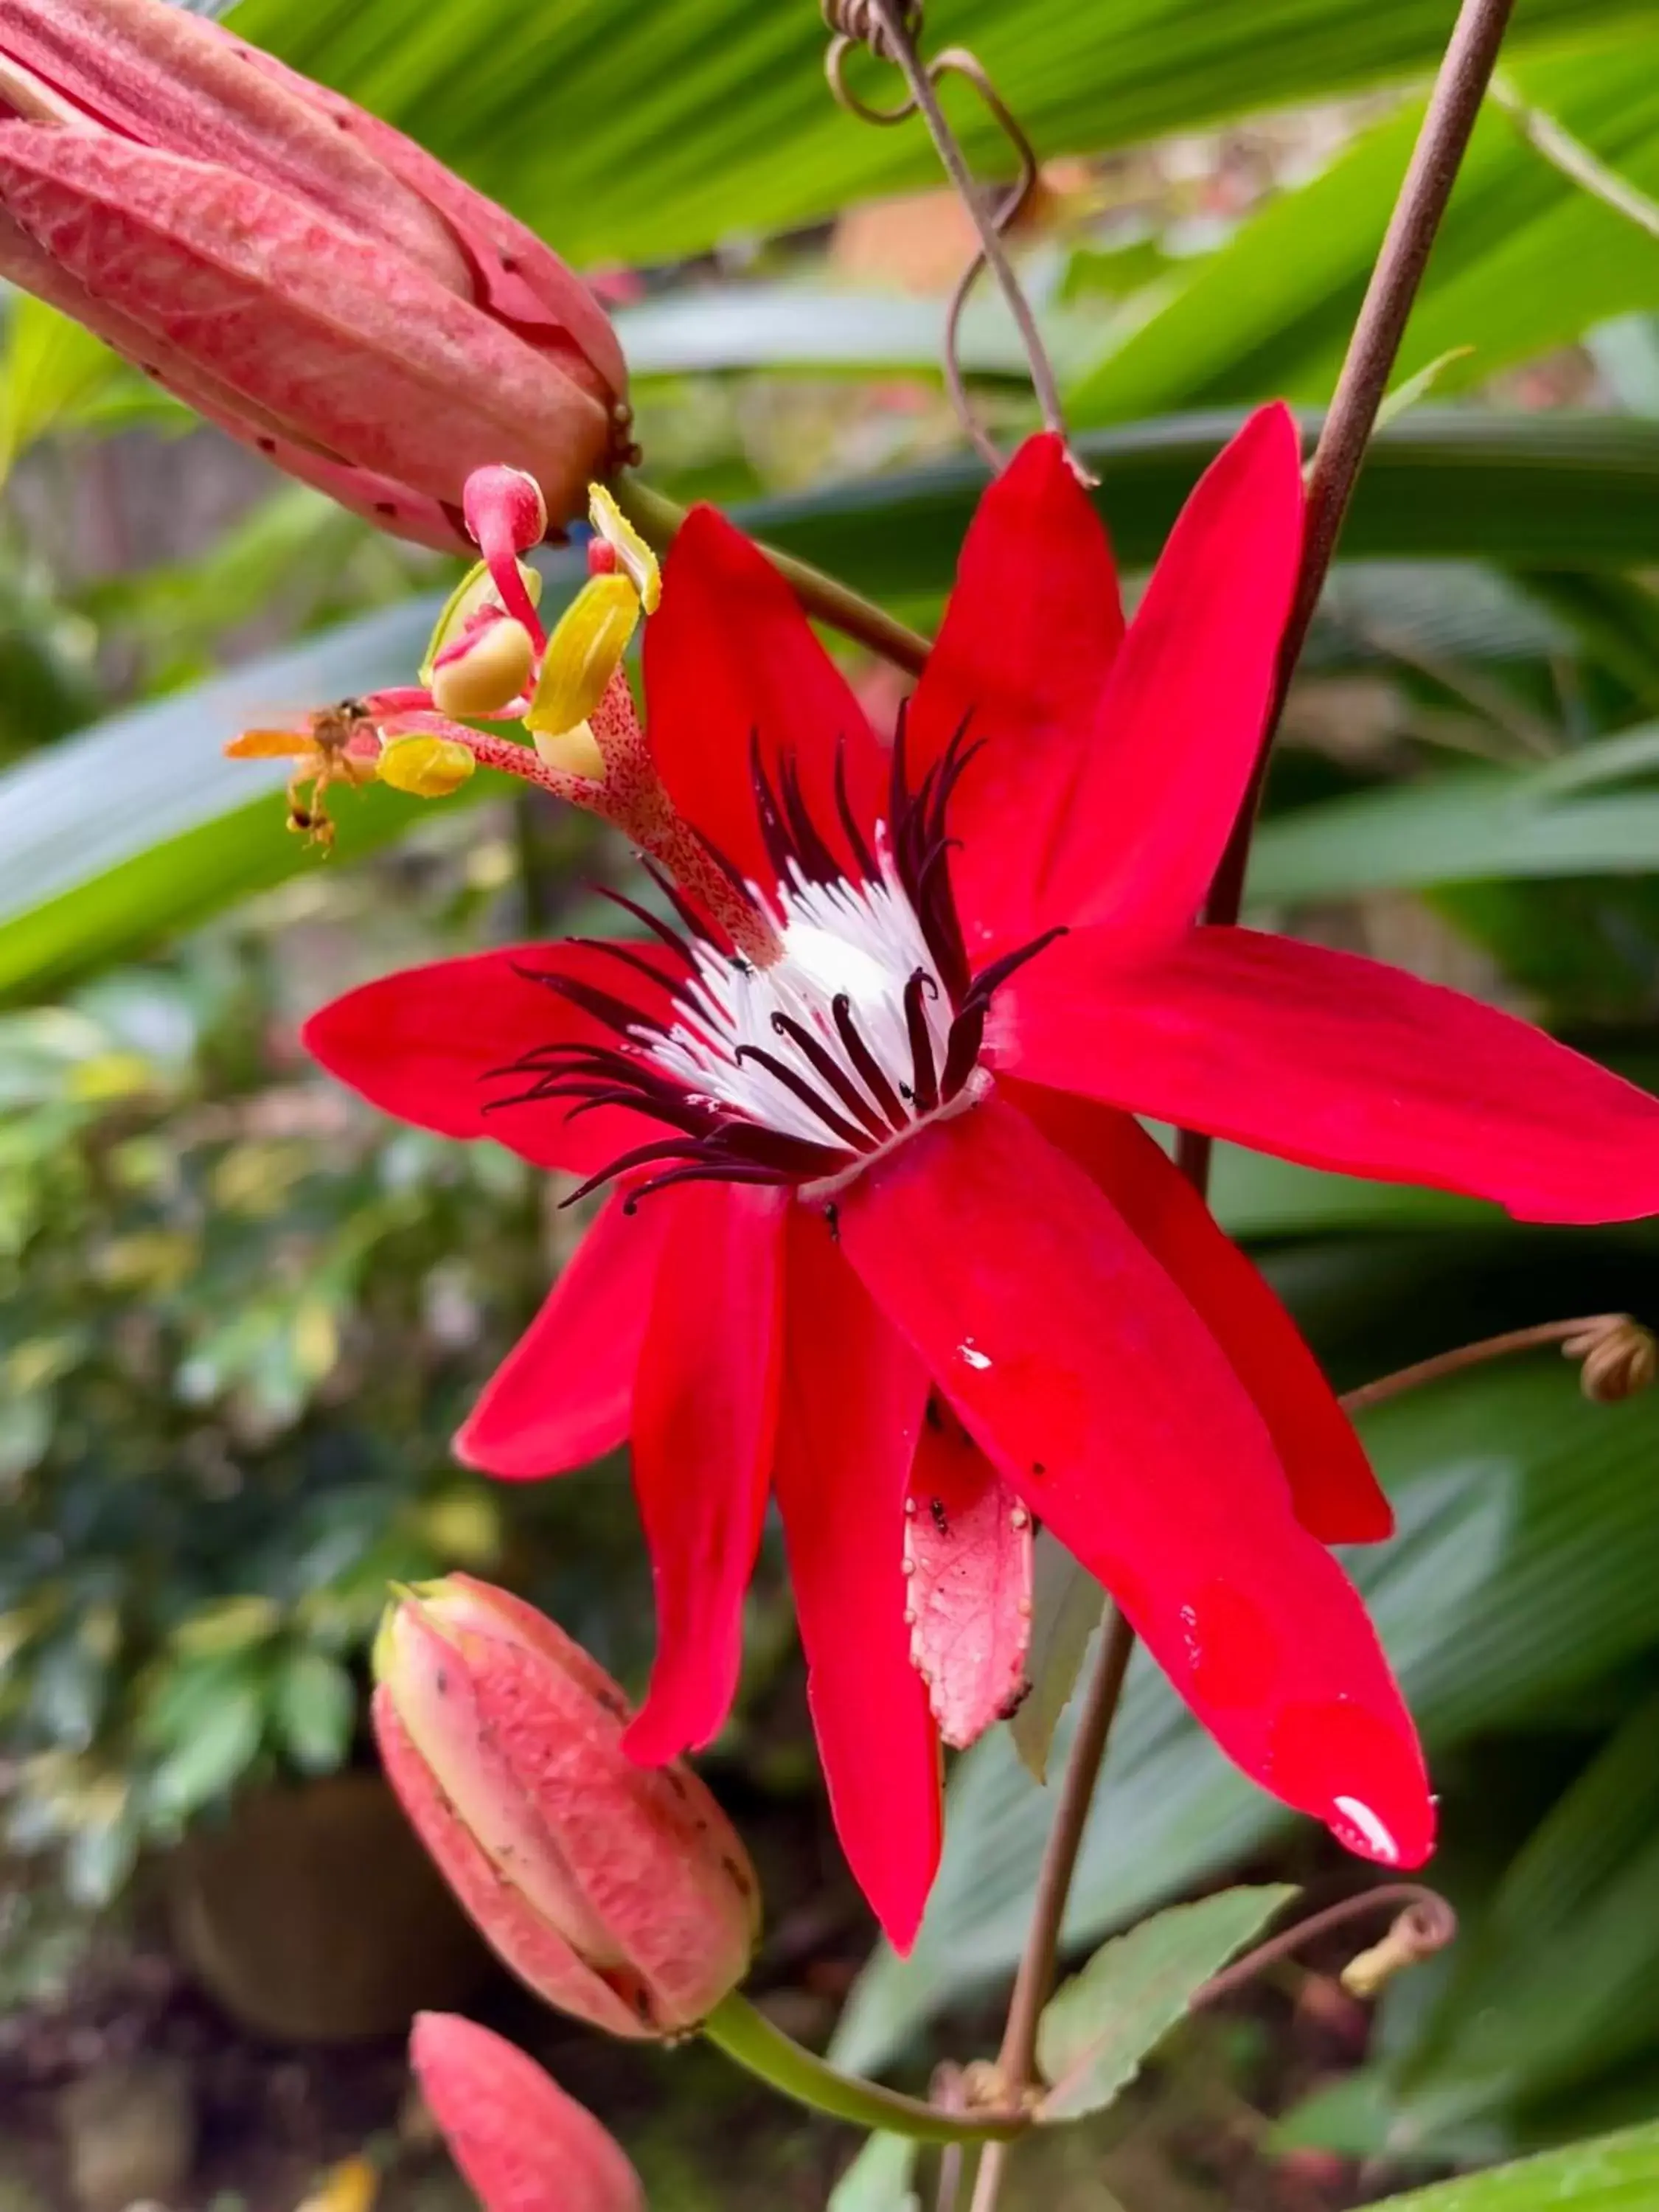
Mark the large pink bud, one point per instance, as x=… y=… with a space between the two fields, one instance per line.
x=294 y=269
x=521 y=2142
x=617 y=1892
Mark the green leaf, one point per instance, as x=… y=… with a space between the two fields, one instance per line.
x=1473 y=825
x=648 y=134
x=1066 y=1603
x=1526 y=1557
x=1525 y=261
x=878 y=2179
x=1558 y=1982
x=1101 y=2026
x=219 y=1752
x=1619 y=2173
x=52 y=373
x=314 y=1706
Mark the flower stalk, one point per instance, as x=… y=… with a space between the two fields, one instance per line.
x=746 y=2036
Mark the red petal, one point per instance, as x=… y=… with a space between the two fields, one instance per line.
x=851 y=1401
x=1340 y=1062
x=562 y=1395
x=429 y=1045
x=968 y=1550
x=1088 y=1382
x=1336 y=1496
x=705 y=1404
x=1020 y=663
x=1182 y=717
x=730 y=658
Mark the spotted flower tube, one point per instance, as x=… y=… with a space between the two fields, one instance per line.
x=886 y=1242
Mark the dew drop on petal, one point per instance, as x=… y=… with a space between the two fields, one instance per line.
x=1357 y=1818
x=968 y=1351
x=1360 y=1776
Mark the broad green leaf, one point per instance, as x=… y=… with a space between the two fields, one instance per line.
x=1067 y=1602
x=649 y=133
x=1617 y=2173
x=1526 y=1558
x=1560 y=820
x=51 y=371
x=1558 y=1983
x=878 y=2179
x=1525 y=261
x=216 y=1755
x=314 y=1706
x=1099 y=2027
x=139 y=827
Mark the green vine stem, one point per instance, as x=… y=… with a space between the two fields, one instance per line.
x=657 y=517
x=749 y=2038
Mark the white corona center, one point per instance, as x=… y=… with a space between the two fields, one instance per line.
x=858 y=941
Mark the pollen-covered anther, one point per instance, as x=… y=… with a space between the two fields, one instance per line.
x=425 y=766
x=485 y=670
x=583 y=654
x=617 y=544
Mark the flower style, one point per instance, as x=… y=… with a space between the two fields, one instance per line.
x=293 y=268
x=887 y=1243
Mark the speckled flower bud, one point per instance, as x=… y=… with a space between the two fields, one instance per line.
x=617 y=1892
x=522 y=2144
x=294 y=269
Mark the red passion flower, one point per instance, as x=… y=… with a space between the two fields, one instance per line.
x=887 y=1243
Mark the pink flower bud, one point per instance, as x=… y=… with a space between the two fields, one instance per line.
x=619 y=1892
x=296 y=269
x=521 y=2142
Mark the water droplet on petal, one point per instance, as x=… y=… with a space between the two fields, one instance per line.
x=968 y=1351
x=1360 y=1775
x=1359 y=1820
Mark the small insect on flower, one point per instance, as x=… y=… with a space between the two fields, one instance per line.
x=335 y=744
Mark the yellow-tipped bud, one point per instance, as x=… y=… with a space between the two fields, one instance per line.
x=476 y=590
x=484 y=672
x=576 y=752
x=634 y=556
x=426 y=768
x=583 y=654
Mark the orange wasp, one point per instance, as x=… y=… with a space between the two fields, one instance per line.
x=333 y=746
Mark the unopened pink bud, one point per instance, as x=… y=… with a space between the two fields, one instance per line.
x=522 y=2144
x=617 y=1892
x=313 y=280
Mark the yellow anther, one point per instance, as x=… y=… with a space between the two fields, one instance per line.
x=576 y=752
x=487 y=674
x=633 y=555
x=476 y=589
x=583 y=654
x=426 y=768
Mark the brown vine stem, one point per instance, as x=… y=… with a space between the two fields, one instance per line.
x=1580 y=1339
x=901 y=47
x=1016 y=2060
x=657 y=517
x=1465 y=74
